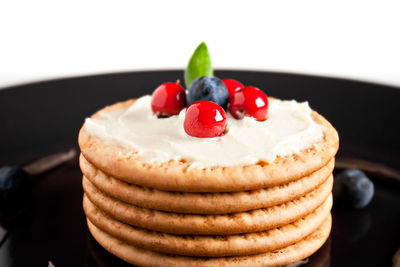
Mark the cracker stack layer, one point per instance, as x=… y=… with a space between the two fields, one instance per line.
x=168 y=214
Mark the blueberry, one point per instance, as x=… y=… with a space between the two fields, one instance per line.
x=11 y=177
x=352 y=188
x=15 y=185
x=208 y=88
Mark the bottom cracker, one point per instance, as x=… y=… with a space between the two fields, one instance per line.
x=284 y=256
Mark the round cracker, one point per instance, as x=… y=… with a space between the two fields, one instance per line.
x=210 y=246
x=180 y=176
x=204 y=203
x=234 y=223
x=284 y=256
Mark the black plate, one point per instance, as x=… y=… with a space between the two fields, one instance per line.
x=42 y=118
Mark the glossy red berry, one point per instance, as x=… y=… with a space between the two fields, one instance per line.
x=249 y=101
x=168 y=99
x=232 y=85
x=204 y=119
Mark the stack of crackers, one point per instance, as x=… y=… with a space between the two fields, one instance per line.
x=171 y=214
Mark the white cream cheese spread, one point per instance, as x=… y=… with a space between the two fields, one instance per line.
x=289 y=128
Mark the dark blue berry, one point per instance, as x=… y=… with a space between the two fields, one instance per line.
x=208 y=88
x=15 y=185
x=352 y=188
x=11 y=177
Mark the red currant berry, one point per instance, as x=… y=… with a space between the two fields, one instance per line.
x=249 y=101
x=232 y=85
x=168 y=99
x=204 y=119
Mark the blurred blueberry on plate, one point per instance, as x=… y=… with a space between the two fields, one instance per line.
x=208 y=88
x=352 y=188
x=15 y=186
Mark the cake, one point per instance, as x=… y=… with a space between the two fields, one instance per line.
x=246 y=189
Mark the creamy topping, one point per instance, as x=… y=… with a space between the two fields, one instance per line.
x=289 y=128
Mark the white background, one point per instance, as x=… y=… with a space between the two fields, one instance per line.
x=51 y=39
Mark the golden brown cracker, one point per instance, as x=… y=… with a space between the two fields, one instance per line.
x=234 y=223
x=284 y=256
x=204 y=203
x=180 y=176
x=210 y=246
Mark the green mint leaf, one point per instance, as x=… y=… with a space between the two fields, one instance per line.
x=199 y=65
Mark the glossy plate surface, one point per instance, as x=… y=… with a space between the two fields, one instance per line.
x=43 y=118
